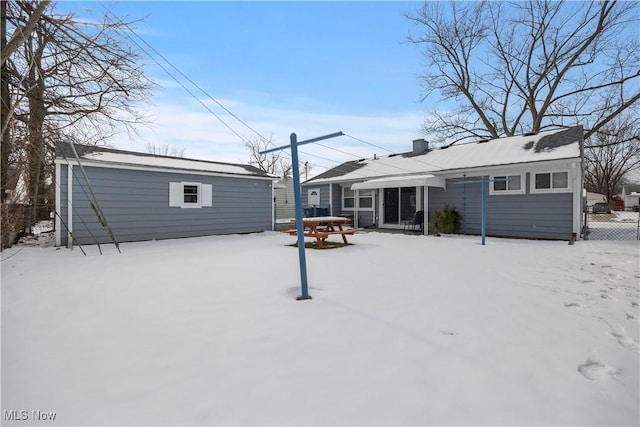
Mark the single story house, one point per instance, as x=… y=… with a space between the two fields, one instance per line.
x=146 y=196
x=593 y=198
x=533 y=185
x=631 y=196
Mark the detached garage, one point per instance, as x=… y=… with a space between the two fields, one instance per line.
x=145 y=197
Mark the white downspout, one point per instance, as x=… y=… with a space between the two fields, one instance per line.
x=330 y=199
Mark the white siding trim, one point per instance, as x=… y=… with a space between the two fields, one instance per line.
x=576 y=173
x=58 y=210
x=273 y=206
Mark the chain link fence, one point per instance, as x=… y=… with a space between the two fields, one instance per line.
x=617 y=225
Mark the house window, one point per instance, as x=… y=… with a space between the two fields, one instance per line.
x=550 y=182
x=348 y=198
x=365 y=199
x=506 y=184
x=190 y=195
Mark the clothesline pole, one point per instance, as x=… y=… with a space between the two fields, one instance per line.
x=297 y=193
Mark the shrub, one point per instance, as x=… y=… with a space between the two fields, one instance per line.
x=446 y=220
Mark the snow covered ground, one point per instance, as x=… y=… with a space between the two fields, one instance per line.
x=401 y=330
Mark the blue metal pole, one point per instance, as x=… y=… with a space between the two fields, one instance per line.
x=483 y=215
x=297 y=194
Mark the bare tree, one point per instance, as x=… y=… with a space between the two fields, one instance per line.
x=70 y=81
x=21 y=32
x=525 y=66
x=271 y=163
x=611 y=155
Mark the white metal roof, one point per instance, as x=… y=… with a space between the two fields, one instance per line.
x=550 y=145
x=129 y=159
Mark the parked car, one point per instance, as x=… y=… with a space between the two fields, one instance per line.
x=599 y=208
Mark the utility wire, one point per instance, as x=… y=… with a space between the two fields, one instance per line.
x=109 y=15
x=385 y=149
x=188 y=78
x=115 y=19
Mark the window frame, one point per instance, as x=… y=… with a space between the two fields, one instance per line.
x=369 y=196
x=344 y=197
x=356 y=200
x=198 y=203
x=506 y=191
x=551 y=189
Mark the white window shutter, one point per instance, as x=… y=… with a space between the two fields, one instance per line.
x=207 y=195
x=176 y=194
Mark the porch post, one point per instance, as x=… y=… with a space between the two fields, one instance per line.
x=355 y=209
x=425 y=207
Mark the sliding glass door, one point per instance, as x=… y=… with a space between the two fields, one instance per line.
x=398 y=205
x=391 y=203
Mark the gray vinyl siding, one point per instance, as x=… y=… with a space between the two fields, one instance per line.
x=324 y=195
x=136 y=206
x=365 y=218
x=544 y=216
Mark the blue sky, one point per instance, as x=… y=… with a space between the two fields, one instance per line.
x=307 y=67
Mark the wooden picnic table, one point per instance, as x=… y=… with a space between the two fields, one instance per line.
x=322 y=227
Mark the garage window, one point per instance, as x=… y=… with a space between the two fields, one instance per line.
x=190 y=195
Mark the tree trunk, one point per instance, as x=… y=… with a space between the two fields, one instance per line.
x=37 y=145
x=5 y=147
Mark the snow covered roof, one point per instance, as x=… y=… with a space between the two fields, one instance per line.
x=550 y=145
x=133 y=159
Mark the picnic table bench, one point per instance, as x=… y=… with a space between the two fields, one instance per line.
x=324 y=226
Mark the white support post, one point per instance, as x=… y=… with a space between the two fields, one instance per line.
x=331 y=200
x=355 y=209
x=273 y=206
x=425 y=207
